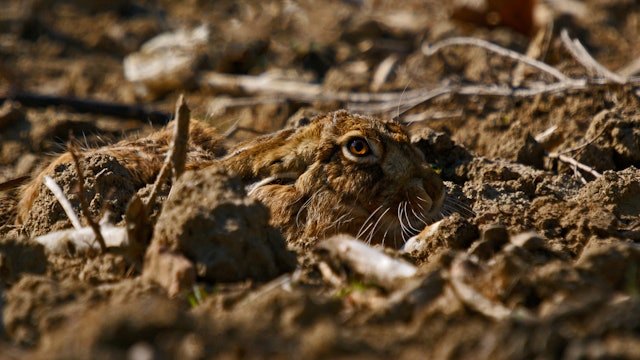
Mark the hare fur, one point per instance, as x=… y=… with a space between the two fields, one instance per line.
x=341 y=173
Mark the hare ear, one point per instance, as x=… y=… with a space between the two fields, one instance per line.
x=288 y=151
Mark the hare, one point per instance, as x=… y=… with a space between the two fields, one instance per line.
x=341 y=173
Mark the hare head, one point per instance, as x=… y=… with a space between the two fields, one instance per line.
x=342 y=173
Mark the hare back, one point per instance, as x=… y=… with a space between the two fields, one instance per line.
x=138 y=162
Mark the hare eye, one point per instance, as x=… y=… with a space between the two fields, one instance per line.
x=359 y=147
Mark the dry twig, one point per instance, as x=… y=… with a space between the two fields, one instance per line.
x=431 y=49
x=289 y=89
x=329 y=275
x=84 y=205
x=89 y=106
x=573 y=162
x=180 y=140
x=369 y=262
x=475 y=300
x=62 y=199
x=536 y=50
x=585 y=59
x=177 y=150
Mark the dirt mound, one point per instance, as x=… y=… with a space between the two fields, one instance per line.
x=536 y=254
x=108 y=187
x=208 y=218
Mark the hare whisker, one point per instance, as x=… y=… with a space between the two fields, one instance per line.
x=339 y=221
x=406 y=214
x=445 y=211
x=459 y=206
x=373 y=230
x=305 y=206
x=386 y=231
x=367 y=223
x=421 y=199
x=404 y=230
x=362 y=228
x=428 y=204
x=420 y=217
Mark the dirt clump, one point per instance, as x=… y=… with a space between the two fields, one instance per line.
x=19 y=256
x=208 y=218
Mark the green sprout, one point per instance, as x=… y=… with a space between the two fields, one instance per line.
x=197 y=296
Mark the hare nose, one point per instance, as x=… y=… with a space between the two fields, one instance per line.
x=415 y=188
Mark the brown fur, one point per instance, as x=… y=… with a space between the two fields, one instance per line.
x=142 y=157
x=331 y=193
x=324 y=191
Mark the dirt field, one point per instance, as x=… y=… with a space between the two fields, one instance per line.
x=537 y=256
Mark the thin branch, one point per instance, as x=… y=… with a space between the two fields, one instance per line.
x=582 y=146
x=578 y=51
x=474 y=299
x=84 y=205
x=404 y=100
x=83 y=239
x=536 y=50
x=89 y=106
x=571 y=161
x=164 y=171
x=367 y=261
x=431 y=49
x=294 y=90
x=482 y=90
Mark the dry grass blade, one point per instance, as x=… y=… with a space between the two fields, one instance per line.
x=431 y=49
x=294 y=90
x=84 y=205
x=631 y=68
x=578 y=51
x=382 y=72
x=80 y=239
x=62 y=199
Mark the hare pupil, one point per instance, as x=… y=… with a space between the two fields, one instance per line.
x=359 y=147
